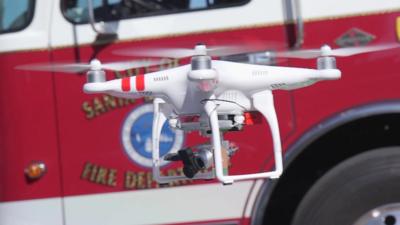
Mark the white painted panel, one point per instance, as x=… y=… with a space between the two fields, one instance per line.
x=312 y=9
x=255 y=12
x=252 y=199
x=159 y=206
x=35 y=36
x=32 y=212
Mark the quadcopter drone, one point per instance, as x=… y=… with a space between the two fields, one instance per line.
x=210 y=96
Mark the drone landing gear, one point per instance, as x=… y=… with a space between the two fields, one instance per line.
x=263 y=102
x=194 y=166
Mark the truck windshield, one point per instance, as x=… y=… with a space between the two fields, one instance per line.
x=15 y=15
x=106 y=10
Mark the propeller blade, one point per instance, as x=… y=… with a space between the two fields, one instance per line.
x=156 y=52
x=66 y=68
x=341 y=52
x=94 y=65
x=300 y=54
x=125 y=65
x=232 y=50
x=188 y=52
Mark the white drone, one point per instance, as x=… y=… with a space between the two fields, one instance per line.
x=218 y=93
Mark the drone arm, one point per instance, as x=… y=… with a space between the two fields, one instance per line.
x=117 y=85
x=128 y=87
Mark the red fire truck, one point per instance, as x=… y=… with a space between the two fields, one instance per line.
x=67 y=158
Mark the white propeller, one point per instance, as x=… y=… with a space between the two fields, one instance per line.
x=325 y=50
x=178 y=53
x=95 y=64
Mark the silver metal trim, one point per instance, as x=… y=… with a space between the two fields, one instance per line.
x=299 y=23
x=385 y=214
x=292 y=11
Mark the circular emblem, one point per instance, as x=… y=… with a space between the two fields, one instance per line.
x=137 y=136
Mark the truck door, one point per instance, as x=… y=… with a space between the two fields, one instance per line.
x=28 y=130
x=104 y=141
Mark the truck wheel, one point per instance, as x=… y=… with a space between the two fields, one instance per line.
x=363 y=190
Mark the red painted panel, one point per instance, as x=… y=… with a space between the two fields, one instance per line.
x=28 y=128
x=33 y=104
x=366 y=78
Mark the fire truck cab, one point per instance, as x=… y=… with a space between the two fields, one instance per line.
x=68 y=158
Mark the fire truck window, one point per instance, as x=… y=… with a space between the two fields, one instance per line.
x=76 y=11
x=15 y=15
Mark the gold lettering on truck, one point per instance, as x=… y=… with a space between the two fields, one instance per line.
x=101 y=175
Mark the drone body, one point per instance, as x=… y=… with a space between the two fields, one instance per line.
x=235 y=82
x=215 y=91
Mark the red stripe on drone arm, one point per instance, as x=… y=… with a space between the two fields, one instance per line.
x=126 y=84
x=140 y=82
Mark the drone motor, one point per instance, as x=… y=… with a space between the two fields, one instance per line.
x=326 y=61
x=95 y=74
x=202 y=71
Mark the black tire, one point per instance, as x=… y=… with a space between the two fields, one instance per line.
x=352 y=188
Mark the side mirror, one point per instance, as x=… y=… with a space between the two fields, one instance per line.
x=101 y=28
